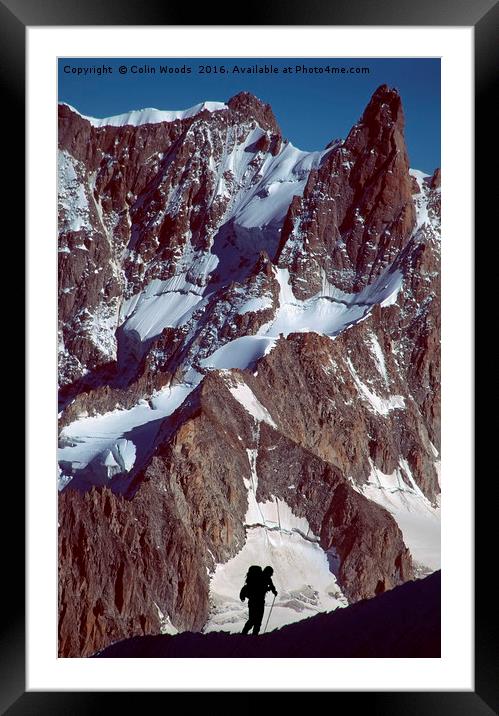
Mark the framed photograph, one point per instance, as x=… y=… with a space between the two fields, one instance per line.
x=242 y=342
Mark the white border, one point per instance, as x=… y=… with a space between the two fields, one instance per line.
x=454 y=671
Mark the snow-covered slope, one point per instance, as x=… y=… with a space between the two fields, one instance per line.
x=149 y=115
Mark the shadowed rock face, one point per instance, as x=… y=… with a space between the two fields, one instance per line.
x=118 y=559
x=161 y=202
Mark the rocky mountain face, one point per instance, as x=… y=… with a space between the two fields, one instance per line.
x=249 y=368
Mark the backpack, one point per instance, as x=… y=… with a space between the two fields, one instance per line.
x=254 y=583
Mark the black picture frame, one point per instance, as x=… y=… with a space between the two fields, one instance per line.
x=15 y=17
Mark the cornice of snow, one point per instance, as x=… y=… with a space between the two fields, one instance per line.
x=149 y=115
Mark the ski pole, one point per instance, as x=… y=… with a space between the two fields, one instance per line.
x=271 y=607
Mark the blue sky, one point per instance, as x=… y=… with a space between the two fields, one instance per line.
x=311 y=109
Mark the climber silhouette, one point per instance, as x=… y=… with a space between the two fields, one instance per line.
x=258 y=583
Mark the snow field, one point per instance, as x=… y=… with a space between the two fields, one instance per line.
x=304 y=584
x=93 y=441
x=418 y=520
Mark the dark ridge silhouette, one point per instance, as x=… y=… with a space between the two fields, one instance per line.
x=403 y=622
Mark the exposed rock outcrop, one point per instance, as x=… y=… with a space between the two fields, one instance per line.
x=356 y=212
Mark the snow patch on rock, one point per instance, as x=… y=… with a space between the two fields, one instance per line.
x=380 y=405
x=244 y=395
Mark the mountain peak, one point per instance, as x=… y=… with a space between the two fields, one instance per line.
x=247 y=104
x=243 y=100
x=385 y=106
